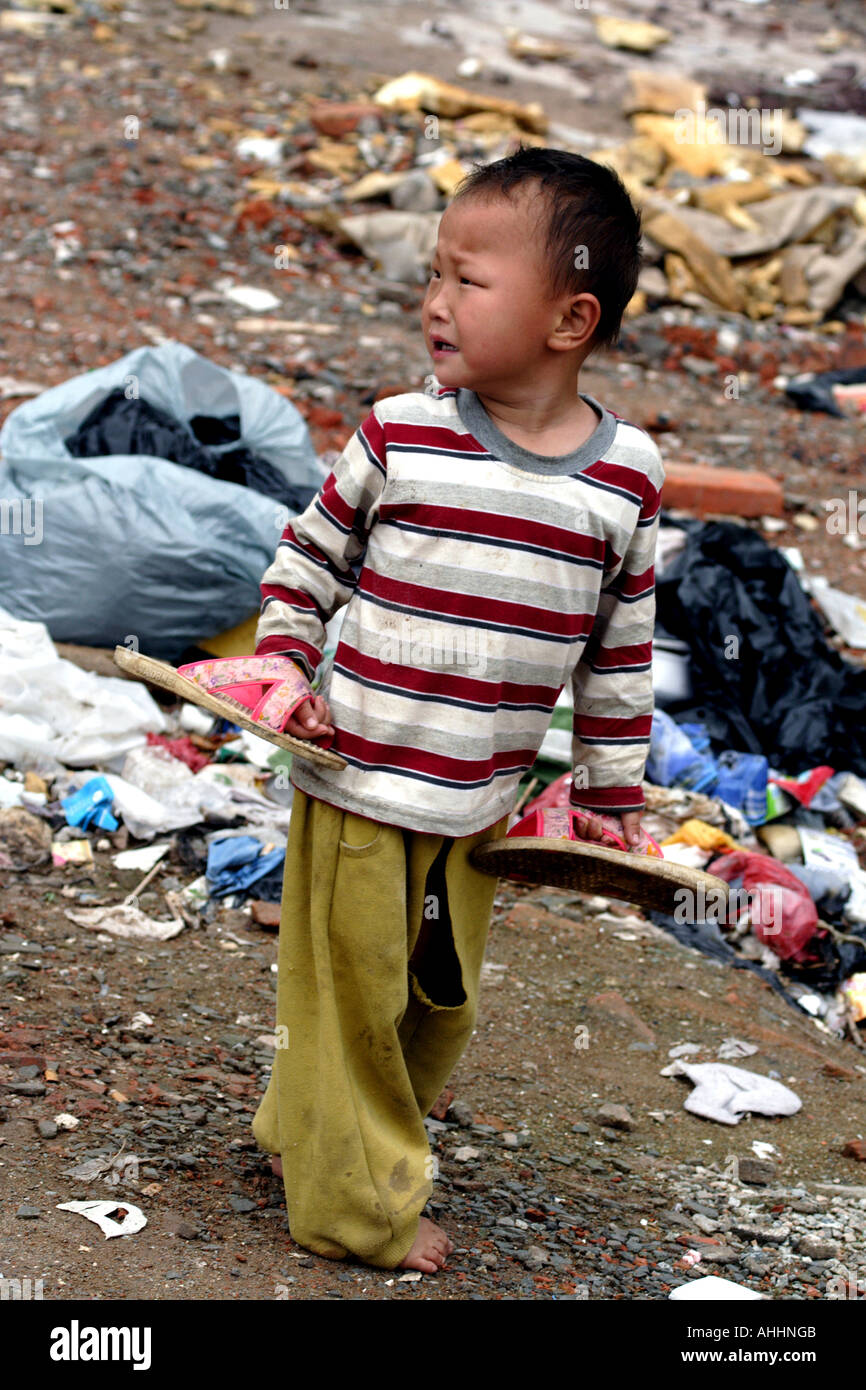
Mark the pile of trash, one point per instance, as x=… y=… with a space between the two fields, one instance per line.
x=93 y=762
x=756 y=770
x=726 y=227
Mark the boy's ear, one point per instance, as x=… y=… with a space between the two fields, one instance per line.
x=576 y=324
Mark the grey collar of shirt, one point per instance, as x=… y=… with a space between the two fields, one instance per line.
x=479 y=423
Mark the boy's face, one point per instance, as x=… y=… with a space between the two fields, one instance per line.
x=488 y=296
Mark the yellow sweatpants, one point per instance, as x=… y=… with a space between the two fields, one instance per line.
x=382 y=936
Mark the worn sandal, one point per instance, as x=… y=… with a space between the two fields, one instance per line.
x=558 y=822
x=259 y=693
x=588 y=866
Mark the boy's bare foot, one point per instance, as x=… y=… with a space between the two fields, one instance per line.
x=276 y=1165
x=430 y=1248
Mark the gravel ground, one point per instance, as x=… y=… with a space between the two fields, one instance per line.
x=544 y=1196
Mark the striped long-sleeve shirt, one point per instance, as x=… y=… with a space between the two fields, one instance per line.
x=480 y=578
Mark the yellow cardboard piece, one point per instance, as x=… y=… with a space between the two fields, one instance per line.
x=419 y=91
x=711 y=271
x=637 y=35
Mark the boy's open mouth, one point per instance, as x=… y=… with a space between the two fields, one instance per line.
x=440 y=345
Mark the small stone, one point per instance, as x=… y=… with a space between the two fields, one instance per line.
x=534 y=1257
x=719 y=1254
x=439 y=1108
x=179 y=1226
x=466 y=1154
x=615 y=1117
x=28 y=1213
x=580 y=1129
x=855 y=1148
x=764 y=1235
x=27 y=1088
x=196 y=1114
x=461 y=1113
x=241 y=1204
x=757 y=1171
x=489 y=1260
x=817 y=1249
x=48 y=1129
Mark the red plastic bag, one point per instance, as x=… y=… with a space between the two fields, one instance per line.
x=781 y=907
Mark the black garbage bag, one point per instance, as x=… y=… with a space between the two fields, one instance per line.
x=121 y=424
x=814 y=391
x=707 y=938
x=764 y=679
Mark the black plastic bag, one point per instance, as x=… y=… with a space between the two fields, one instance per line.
x=764 y=678
x=122 y=424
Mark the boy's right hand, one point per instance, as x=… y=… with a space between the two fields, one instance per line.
x=310 y=720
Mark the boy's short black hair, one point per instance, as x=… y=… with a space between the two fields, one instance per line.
x=592 y=242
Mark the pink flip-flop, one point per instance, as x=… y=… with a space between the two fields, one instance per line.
x=260 y=693
x=544 y=848
x=559 y=822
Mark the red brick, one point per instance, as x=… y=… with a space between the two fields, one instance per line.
x=439 y=1108
x=21 y=1037
x=86 y=1107
x=336 y=118
x=697 y=487
x=266 y=914
x=23 y=1059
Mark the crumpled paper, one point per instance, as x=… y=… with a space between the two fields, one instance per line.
x=100 y=1213
x=725 y=1093
x=126 y=921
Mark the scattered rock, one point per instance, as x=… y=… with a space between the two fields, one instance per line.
x=615 y=1116
x=759 y=1172
x=764 y=1235
x=241 y=1204
x=719 y=1254
x=28 y=1213
x=461 y=1113
x=179 y=1226
x=440 y=1106
x=817 y=1249
x=265 y=915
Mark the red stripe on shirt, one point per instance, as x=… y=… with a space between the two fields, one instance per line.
x=436 y=765
x=496 y=526
x=419 y=599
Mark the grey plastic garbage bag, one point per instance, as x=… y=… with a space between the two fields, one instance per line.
x=130 y=545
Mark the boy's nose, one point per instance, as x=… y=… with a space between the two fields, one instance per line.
x=433 y=300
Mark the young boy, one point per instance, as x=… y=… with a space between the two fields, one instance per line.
x=493 y=540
